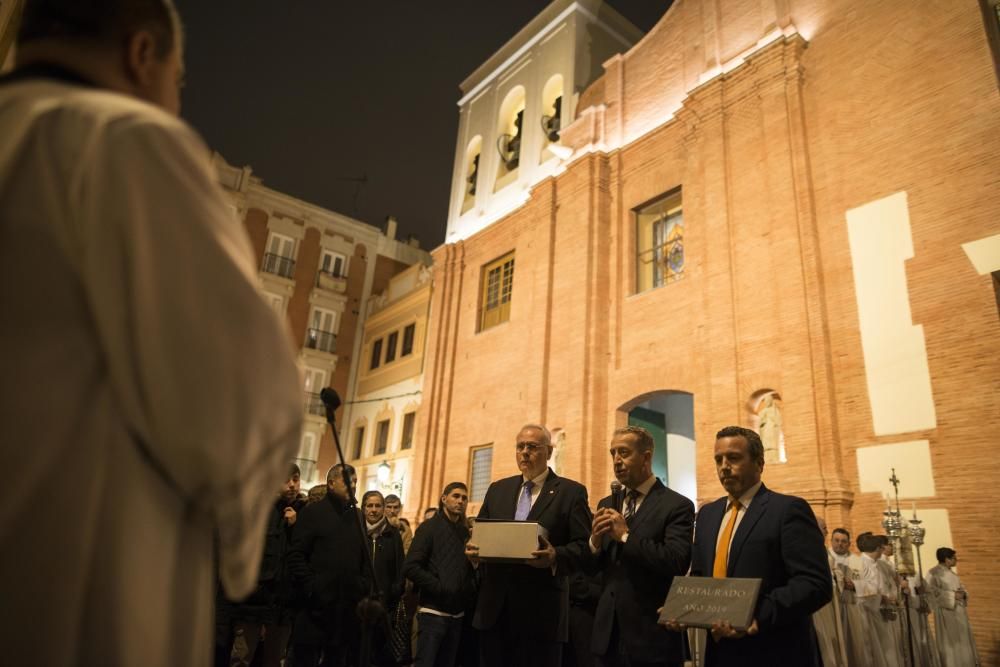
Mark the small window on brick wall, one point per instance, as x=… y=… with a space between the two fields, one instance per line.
x=659 y=242
x=496 y=291
x=480 y=472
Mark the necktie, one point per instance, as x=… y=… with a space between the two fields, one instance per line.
x=524 y=502
x=722 y=551
x=630 y=499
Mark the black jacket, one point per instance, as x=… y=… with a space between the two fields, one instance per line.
x=327 y=563
x=777 y=541
x=522 y=591
x=437 y=565
x=274 y=586
x=387 y=550
x=638 y=574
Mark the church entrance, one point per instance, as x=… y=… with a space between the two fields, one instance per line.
x=669 y=417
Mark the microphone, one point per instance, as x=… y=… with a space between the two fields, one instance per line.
x=331 y=401
x=330 y=398
x=617 y=496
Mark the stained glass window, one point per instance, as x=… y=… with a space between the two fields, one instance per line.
x=659 y=242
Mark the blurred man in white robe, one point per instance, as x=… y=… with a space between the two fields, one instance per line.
x=924 y=648
x=847 y=569
x=151 y=402
x=873 y=598
x=893 y=610
x=950 y=600
x=827 y=621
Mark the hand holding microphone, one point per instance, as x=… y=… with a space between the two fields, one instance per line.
x=610 y=519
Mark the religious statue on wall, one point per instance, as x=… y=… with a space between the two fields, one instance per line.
x=769 y=426
x=558 y=451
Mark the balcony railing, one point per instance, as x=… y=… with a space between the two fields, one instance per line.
x=324 y=341
x=278 y=265
x=332 y=281
x=314 y=405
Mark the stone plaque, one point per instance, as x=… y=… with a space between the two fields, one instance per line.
x=702 y=601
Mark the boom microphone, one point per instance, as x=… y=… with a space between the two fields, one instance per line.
x=617 y=496
x=331 y=401
x=330 y=398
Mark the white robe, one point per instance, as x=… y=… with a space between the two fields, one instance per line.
x=150 y=398
x=925 y=651
x=828 y=623
x=852 y=618
x=956 y=645
x=897 y=627
x=880 y=641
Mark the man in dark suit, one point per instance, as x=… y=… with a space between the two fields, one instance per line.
x=639 y=550
x=327 y=563
x=756 y=533
x=523 y=609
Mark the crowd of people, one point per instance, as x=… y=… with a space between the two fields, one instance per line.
x=879 y=617
x=591 y=592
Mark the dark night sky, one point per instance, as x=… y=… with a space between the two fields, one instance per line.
x=310 y=92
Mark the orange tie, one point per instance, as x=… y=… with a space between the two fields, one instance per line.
x=722 y=551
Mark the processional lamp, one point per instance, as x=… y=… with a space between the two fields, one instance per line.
x=896 y=528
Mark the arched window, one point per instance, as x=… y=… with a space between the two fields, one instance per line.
x=510 y=135
x=472 y=156
x=552 y=113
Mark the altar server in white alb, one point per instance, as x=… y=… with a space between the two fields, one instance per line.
x=828 y=621
x=847 y=570
x=873 y=598
x=151 y=402
x=950 y=601
x=896 y=619
x=924 y=648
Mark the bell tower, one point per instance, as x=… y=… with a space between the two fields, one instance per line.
x=515 y=104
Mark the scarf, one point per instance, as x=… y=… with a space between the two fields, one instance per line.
x=375 y=529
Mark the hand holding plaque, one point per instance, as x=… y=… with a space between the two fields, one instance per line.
x=724 y=606
x=724 y=630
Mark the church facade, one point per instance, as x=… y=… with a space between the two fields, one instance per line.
x=782 y=215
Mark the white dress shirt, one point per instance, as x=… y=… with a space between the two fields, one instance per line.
x=536 y=490
x=745 y=501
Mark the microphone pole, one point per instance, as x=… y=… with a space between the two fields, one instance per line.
x=370 y=609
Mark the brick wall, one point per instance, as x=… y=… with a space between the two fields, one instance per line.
x=882 y=98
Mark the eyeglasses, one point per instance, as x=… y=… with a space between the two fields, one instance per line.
x=529 y=447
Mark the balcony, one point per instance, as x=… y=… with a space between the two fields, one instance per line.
x=324 y=341
x=314 y=405
x=278 y=265
x=336 y=282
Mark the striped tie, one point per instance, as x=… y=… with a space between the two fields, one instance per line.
x=633 y=495
x=722 y=550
